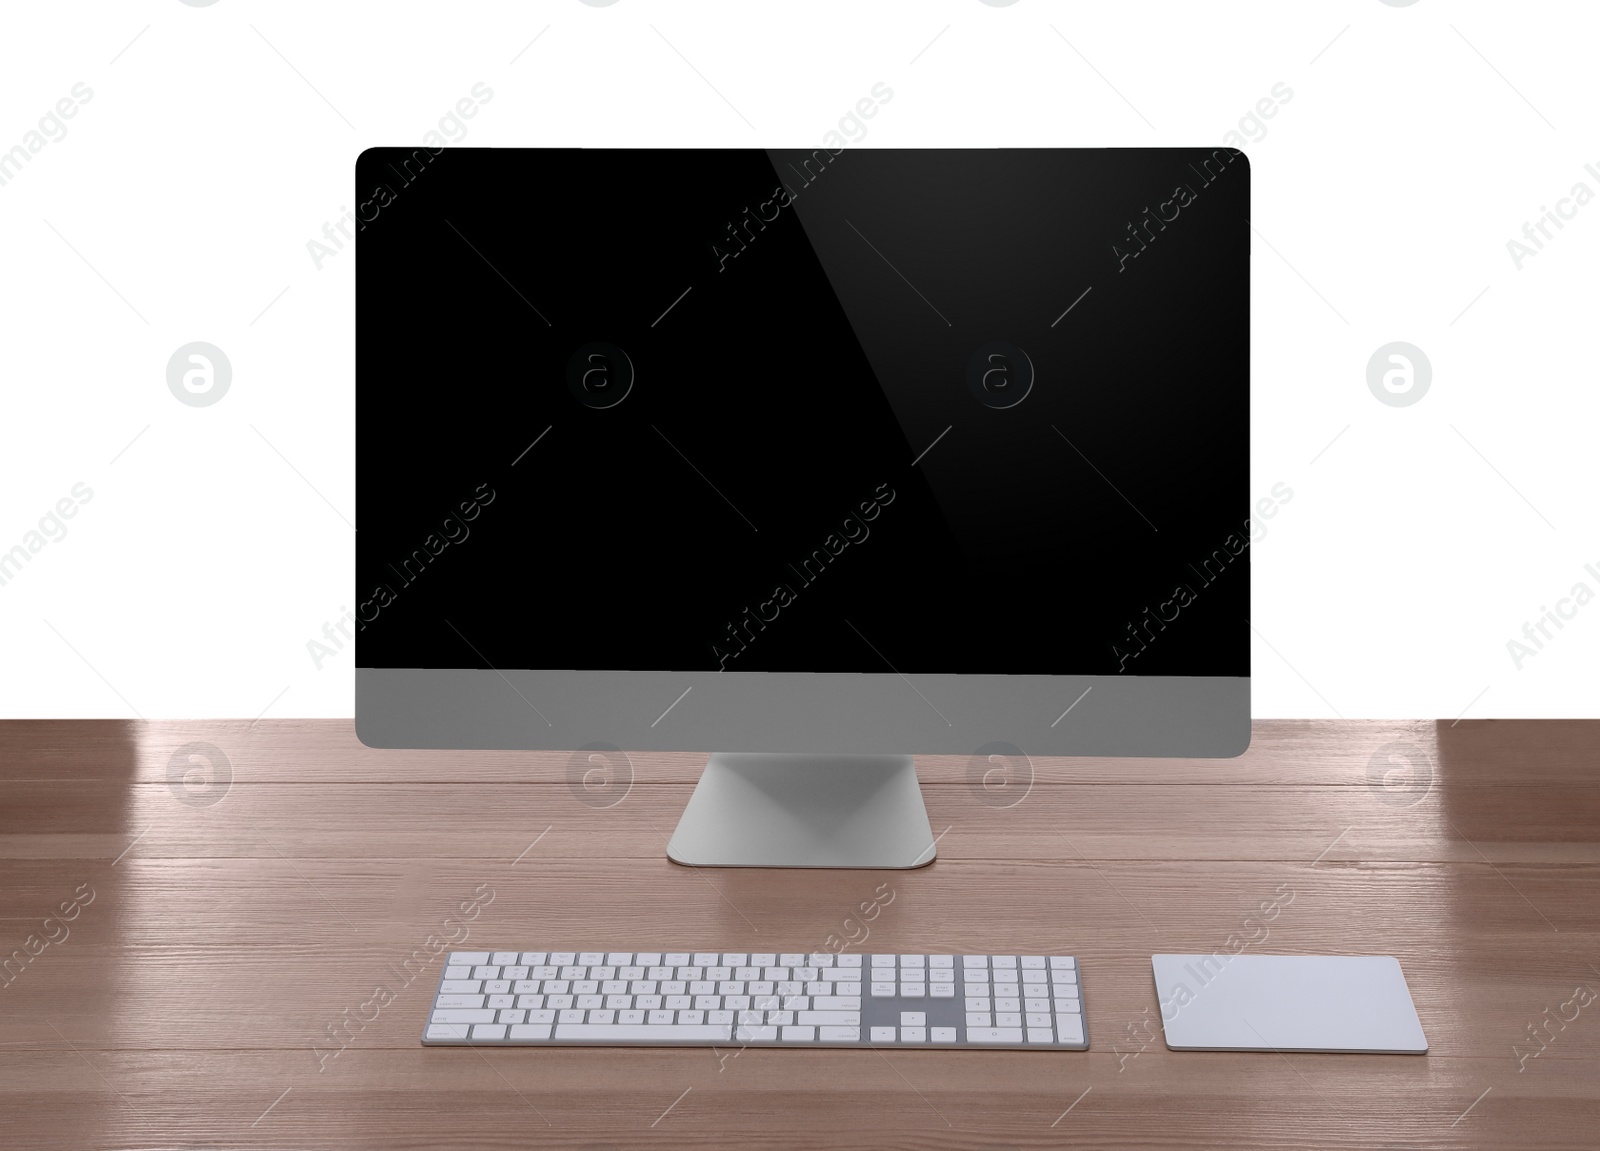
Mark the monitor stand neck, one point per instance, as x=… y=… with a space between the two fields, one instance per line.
x=765 y=810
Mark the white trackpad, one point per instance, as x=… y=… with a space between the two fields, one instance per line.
x=1286 y=1003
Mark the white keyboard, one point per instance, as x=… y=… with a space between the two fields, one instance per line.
x=681 y=998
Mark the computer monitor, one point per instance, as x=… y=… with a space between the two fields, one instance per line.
x=814 y=459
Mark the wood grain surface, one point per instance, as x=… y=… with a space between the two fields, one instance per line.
x=195 y=950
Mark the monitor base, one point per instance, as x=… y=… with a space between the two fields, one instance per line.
x=763 y=810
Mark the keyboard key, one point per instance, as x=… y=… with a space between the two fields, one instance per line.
x=618 y=958
x=562 y=958
x=736 y=959
x=943 y=1034
x=1007 y=1019
x=799 y=1034
x=1070 y=1028
x=1063 y=962
x=676 y=959
x=531 y=1031
x=979 y=1019
x=882 y=989
x=1007 y=1004
x=623 y=1033
x=470 y=958
x=979 y=1003
x=485 y=971
x=458 y=972
x=1036 y=1005
x=755 y=1034
x=594 y=1017
x=882 y=1034
x=1032 y=961
x=764 y=959
x=503 y=957
x=1039 y=1019
x=572 y=1015
x=883 y=961
x=590 y=958
x=849 y=961
x=839 y=1034
x=836 y=1002
x=1062 y=976
x=912 y=961
x=706 y=959
x=913 y=990
x=1068 y=1007
x=975 y=961
x=464 y=1016
x=468 y=1001
x=489 y=1031
x=447 y=1031
x=831 y=1018
x=942 y=990
x=913 y=1034
x=1003 y=961
x=994 y=1035
x=913 y=1018
x=941 y=961
x=1041 y=1035
x=791 y=959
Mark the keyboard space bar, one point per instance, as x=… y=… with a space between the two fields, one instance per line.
x=660 y=1033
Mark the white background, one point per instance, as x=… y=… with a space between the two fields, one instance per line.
x=219 y=140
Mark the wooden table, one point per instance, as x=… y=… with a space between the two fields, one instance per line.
x=210 y=980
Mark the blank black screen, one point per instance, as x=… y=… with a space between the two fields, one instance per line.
x=978 y=411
